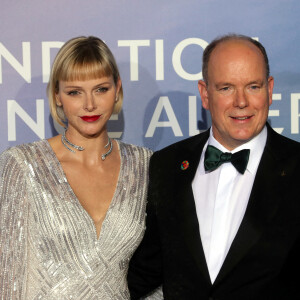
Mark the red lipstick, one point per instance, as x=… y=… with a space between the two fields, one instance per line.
x=90 y=118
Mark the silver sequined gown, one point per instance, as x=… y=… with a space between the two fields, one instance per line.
x=48 y=243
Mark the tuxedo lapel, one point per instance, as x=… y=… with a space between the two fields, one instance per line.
x=185 y=203
x=262 y=206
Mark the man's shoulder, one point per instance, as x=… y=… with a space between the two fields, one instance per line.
x=281 y=144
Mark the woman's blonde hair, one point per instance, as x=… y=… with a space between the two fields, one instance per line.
x=81 y=58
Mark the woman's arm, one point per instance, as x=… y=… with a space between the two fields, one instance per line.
x=13 y=226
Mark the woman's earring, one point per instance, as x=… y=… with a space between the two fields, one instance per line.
x=58 y=103
x=117 y=98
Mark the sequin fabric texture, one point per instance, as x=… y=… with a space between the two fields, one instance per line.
x=48 y=243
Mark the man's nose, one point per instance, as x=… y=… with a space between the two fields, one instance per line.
x=241 y=99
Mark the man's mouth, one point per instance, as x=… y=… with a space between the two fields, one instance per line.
x=241 y=118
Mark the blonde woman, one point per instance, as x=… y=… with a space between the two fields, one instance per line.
x=72 y=208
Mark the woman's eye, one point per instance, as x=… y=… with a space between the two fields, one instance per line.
x=102 y=89
x=73 y=93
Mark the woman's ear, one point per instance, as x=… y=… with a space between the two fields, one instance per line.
x=57 y=100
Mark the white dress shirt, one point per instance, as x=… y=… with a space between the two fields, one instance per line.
x=221 y=199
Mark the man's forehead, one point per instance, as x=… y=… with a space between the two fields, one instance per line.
x=236 y=56
x=236 y=65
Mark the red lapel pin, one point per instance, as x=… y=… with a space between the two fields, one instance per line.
x=184 y=165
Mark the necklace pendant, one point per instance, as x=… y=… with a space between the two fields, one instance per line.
x=103 y=156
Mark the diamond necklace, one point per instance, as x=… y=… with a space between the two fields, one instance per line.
x=67 y=143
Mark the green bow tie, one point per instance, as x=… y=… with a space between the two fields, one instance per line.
x=214 y=158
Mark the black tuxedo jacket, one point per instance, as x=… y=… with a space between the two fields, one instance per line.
x=264 y=259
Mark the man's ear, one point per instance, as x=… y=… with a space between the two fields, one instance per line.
x=270 y=88
x=203 y=93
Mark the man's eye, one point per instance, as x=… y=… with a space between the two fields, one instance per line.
x=254 y=88
x=225 y=88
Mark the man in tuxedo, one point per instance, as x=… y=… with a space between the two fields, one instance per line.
x=223 y=212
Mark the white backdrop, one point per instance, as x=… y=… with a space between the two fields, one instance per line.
x=158 y=46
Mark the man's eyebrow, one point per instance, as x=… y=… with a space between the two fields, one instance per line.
x=222 y=83
x=257 y=81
